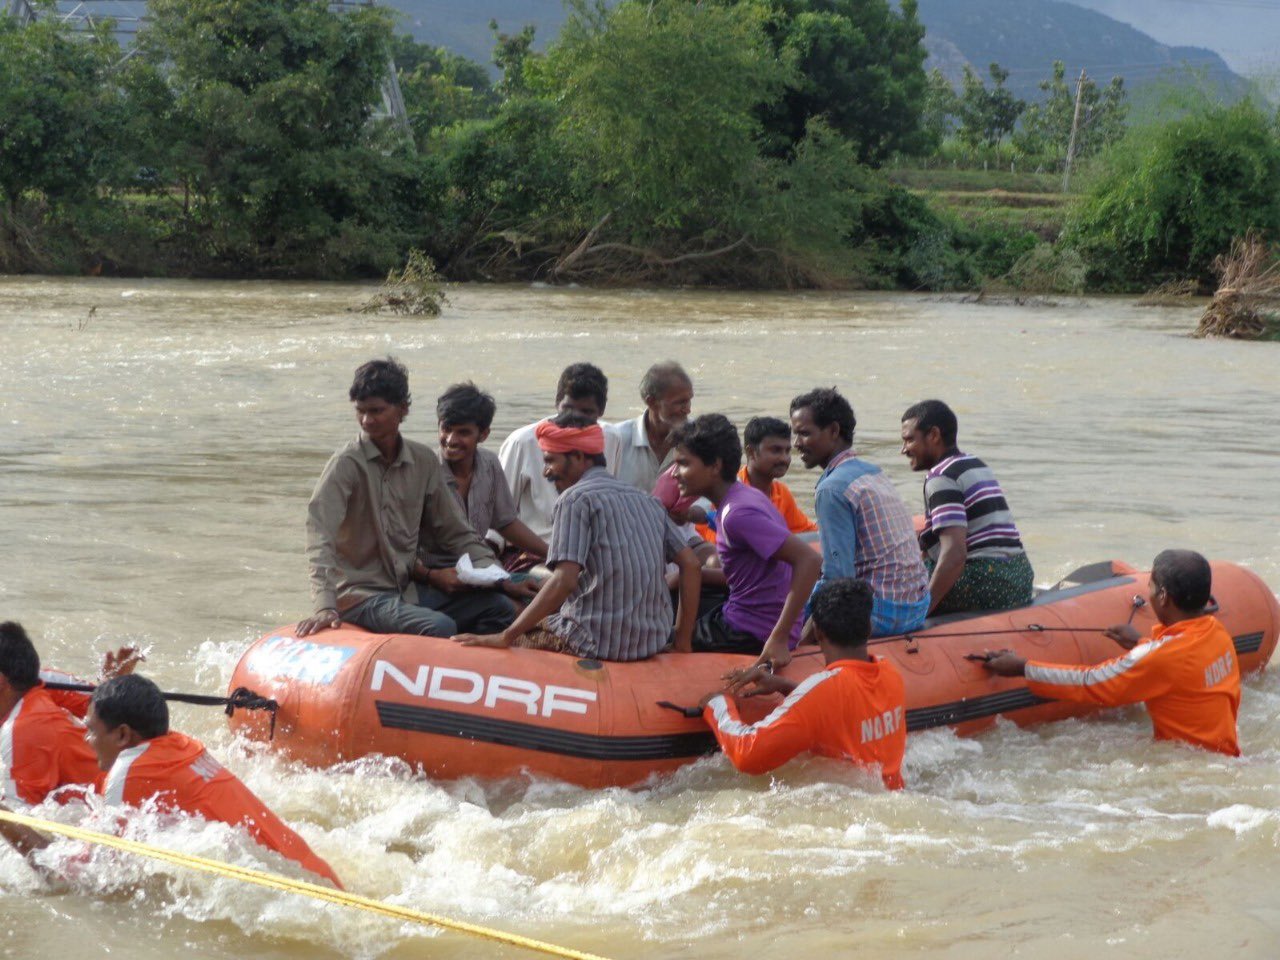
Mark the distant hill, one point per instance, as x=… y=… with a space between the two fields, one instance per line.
x=1024 y=36
x=463 y=25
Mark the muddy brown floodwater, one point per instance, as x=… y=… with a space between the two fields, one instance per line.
x=155 y=461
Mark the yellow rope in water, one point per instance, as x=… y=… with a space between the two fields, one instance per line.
x=275 y=882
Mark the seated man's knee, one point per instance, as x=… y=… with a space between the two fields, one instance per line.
x=498 y=613
x=441 y=625
x=427 y=622
x=504 y=607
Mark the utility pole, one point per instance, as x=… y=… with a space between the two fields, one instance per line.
x=22 y=11
x=1075 y=130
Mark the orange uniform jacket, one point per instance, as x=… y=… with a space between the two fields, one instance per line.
x=42 y=748
x=75 y=702
x=780 y=495
x=1186 y=674
x=853 y=710
x=180 y=774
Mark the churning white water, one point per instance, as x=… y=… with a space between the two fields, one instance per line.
x=155 y=461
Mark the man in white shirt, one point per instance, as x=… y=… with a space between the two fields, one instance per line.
x=584 y=389
x=644 y=444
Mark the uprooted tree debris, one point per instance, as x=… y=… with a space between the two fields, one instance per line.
x=417 y=289
x=1171 y=293
x=1247 y=303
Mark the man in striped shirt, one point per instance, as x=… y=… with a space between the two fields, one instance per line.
x=583 y=389
x=970 y=543
x=607 y=597
x=865 y=526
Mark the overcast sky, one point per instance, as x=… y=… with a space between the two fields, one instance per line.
x=1245 y=32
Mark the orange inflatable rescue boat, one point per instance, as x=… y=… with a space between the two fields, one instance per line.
x=474 y=712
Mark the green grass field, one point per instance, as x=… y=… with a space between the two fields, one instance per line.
x=997 y=198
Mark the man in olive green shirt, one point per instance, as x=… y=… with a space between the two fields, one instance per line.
x=380 y=503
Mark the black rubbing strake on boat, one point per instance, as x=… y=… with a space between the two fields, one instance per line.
x=528 y=736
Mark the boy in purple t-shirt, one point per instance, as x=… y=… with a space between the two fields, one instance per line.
x=769 y=571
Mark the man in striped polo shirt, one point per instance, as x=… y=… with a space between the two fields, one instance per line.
x=607 y=597
x=970 y=543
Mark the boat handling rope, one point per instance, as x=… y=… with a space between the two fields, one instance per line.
x=241 y=698
x=1136 y=604
x=301 y=887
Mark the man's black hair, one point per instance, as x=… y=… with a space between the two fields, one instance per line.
x=760 y=429
x=712 y=437
x=934 y=413
x=579 y=380
x=19 y=661
x=576 y=421
x=381 y=379
x=465 y=403
x=1185 y=577
x=842 y=610
x=661 y=379
x=134 y=700
x=826 y=406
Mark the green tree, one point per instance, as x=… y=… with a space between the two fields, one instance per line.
x=938 y=118
x=58 y=114
x=987 y=114
x=510 y=192
x=273 y=102
x=511 y=51
x=659 y=106
x=860 y=67
x=440 y=87
x=1173 y=198
x=1046 y=125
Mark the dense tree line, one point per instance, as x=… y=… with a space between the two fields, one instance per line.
x=734 y=142
x=728 y=142
x=984 y=114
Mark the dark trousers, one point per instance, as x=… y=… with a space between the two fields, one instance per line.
x=436 y=614
x=712 y=634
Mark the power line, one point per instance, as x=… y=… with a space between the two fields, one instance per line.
x=1131 y=65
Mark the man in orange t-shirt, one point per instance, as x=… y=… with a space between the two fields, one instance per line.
x=854 y=710
x=766 y=441
x=128 y=724
x=42 y=747
x=1186 y=674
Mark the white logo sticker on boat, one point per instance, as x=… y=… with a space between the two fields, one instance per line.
x=288 y=658
x=452 y=685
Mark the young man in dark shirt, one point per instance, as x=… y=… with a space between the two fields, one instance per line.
x=381 y=500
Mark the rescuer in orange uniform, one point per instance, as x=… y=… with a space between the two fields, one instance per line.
x=855 y=709
x=1186 y=674
x=128 y=729
x=42 y=746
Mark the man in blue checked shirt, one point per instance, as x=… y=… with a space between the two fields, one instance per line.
x=865 y=526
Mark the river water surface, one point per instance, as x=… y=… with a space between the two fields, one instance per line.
x=155 y=461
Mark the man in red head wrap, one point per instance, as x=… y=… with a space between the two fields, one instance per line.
x=607 y=598
x=552 y=438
